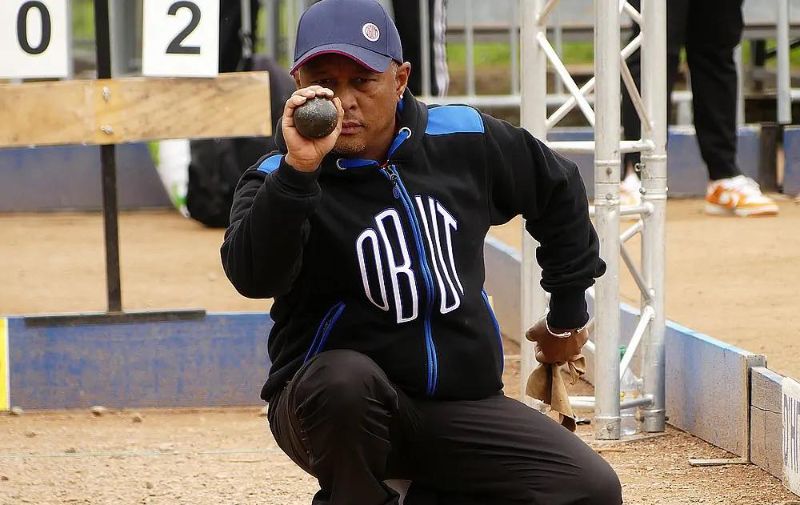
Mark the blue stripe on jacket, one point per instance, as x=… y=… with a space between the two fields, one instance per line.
x=449 y=119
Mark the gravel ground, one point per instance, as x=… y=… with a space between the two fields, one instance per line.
x=226 y=456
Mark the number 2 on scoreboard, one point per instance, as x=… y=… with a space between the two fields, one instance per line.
x=180 y=38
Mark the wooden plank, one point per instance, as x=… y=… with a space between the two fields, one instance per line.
x=765 y=420
x=111 y=111
x=41 y=113
x=231 y=105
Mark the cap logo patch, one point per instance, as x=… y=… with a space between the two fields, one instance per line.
x=371 y=32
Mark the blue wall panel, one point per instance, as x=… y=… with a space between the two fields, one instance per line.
x=68 y=177
x=791 y=146
x=219 y=360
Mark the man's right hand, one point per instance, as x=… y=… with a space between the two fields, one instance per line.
x=306 y=154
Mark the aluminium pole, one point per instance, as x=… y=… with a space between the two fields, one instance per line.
x=606 y=196
x=784 y=83
x=654 y=183
x=533 y=114
x=425 y=48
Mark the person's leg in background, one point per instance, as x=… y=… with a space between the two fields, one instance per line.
x=407 y=19
x=677 y=15
x=230 y=42
x=710 y=53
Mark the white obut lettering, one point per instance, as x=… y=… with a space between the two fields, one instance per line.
x=386 y=248
x=437 y=223
x=401 y=276
x=370 y=235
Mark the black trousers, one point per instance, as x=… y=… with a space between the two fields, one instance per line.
x=406 y=18
x=342 y=421
x=709 y=30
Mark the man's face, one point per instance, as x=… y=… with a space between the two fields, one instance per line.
x=369 y=100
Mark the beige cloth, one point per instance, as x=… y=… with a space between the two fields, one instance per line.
x=546 y=384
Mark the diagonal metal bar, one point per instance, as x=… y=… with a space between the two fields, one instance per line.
x=541 y=18
x=636 y=339
x=587 y=88
x=631 y=232
x=626 y=7
x=637 y=277
x=636 y=98
x=566 y=78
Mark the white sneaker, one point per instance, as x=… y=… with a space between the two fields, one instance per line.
x=738 y=196
x=629 y=191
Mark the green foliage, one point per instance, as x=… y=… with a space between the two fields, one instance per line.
x=82 y=19
x=486 y=53
x=152 y=147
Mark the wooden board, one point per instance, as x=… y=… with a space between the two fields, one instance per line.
x=112 y=111
x=765 y=420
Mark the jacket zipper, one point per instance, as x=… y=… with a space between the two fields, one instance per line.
x=496 y=328
x=324 y=329
x=399 y=191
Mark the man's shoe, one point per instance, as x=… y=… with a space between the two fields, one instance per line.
x=738 y=196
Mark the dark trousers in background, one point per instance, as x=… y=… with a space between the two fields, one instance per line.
x=406 y=18
x=710 y=31
x=341 y=420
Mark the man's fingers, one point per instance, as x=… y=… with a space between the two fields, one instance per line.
x=292 y=103
x=312 y=91
x=301 y=96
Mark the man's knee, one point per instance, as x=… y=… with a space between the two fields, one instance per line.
x=602 y=484
x=342 y=385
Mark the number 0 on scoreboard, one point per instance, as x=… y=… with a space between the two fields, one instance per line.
x=33 y=39
x=180 y=38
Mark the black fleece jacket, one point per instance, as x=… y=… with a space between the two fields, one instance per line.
x=387 y=259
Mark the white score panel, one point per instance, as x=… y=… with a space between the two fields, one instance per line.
x=181 y=38
x=33 y=39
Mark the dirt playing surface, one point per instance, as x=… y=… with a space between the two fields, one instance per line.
x=226 y=456
x=735 y=279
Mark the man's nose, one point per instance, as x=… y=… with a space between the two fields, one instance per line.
x=347 y=97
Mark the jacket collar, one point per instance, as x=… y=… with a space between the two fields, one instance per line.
x=412 y=119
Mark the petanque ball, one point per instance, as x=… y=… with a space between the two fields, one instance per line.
x=316 y=118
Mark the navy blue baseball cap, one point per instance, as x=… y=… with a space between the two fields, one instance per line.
x=358 y=29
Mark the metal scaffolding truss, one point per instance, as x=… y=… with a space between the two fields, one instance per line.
x=610 y=67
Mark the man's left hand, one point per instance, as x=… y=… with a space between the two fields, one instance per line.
x=552 y=349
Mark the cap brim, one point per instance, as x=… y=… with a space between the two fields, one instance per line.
x=364 y=57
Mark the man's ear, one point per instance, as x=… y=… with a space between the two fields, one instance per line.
x=401 y=78
x=297 y=79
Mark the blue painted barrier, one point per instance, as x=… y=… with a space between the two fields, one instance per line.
x=68 y=178
x=215 y=361
x=791 y=149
